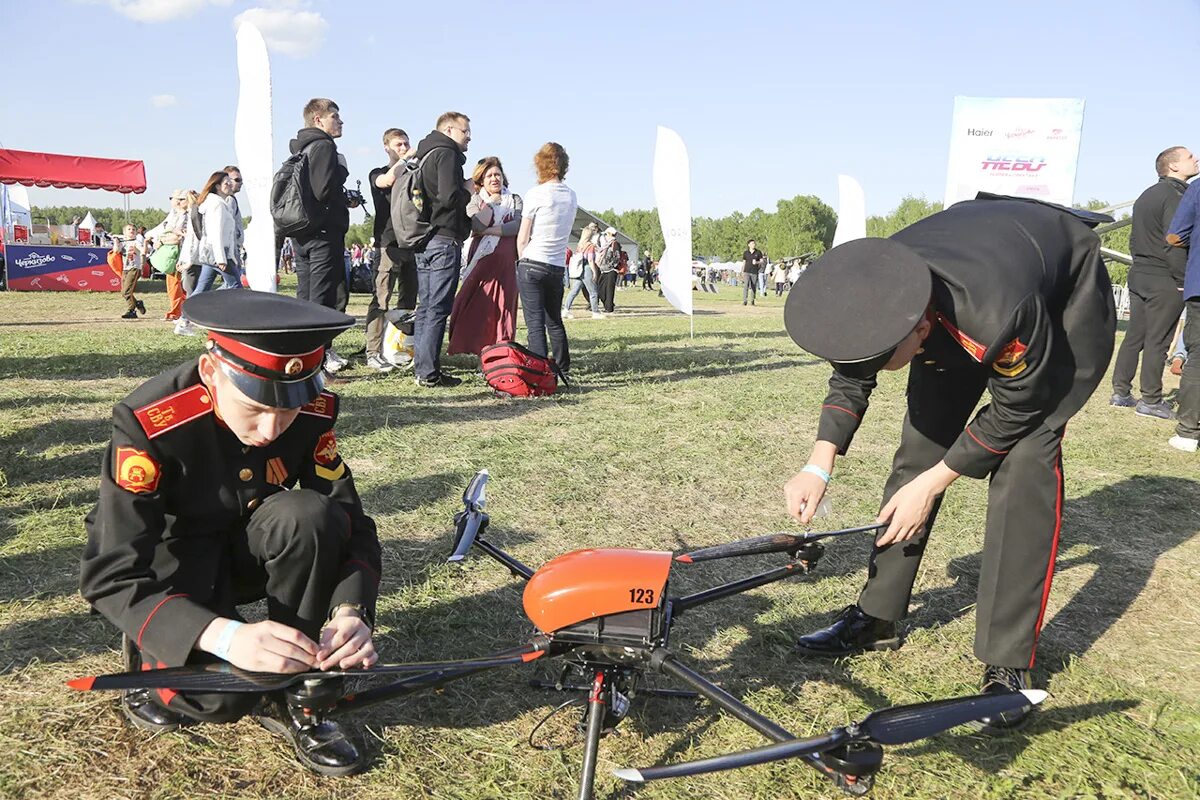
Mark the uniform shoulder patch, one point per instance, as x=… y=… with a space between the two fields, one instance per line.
x=174 y=410
x=1011 y=361
x=322 y=406
x=135 y=471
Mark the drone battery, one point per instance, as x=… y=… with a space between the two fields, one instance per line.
x=629 y=628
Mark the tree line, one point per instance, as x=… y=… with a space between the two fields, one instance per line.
x=800 y=226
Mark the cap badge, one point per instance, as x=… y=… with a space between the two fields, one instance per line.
x=293 y=366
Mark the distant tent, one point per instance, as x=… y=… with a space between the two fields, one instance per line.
x=72 y=172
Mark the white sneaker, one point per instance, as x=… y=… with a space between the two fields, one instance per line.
x=377 y=363
x=333 y=362
x=1184 y=443
x=184 y=328
x=567 y=315
x=598 y=315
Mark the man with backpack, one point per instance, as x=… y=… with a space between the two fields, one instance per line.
x=395 y=267
x=439 y=195
x=320 y=267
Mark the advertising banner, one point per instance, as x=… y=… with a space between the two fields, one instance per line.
x=1027 y=147
x=60 y=269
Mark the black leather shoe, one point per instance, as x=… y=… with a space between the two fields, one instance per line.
x=321 y=747
x=144 y=712
x=1005 y=679
x=852 y=632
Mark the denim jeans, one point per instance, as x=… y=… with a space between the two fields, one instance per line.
x=437 y=279
x=577 y=284
x=541 y=288
x=230 y=279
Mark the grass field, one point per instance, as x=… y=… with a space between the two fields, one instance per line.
x=667 y=442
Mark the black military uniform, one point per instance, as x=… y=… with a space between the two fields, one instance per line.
x=1021 y=305
x=190 y=523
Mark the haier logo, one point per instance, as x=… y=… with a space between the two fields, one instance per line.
x=1006 y=164
x=978 y=132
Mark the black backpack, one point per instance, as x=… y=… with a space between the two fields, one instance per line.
x=294 y=207
x=410 y=211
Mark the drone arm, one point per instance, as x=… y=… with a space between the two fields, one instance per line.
x=402 y=688
x=682 y=604
x=791 y=748
x=665 y=662
x=514 y=566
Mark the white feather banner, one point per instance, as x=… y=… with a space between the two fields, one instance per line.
x=254 y=143
x=673 y=195
x=852 y=211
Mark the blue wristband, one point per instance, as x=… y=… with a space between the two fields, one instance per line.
x=221 y=648
x=815 y=470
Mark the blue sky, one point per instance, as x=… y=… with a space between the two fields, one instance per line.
x=773 y=99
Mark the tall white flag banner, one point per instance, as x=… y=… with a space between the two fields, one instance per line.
x=1027 y=147
x=673 y=195
x=852 y=211
x=254 y=143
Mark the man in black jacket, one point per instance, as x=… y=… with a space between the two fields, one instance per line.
x=319 y=260
x=997 y=293
x=1155 y=286
x=446 y=194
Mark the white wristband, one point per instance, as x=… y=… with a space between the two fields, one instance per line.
x=815 y=470
x=221 y=648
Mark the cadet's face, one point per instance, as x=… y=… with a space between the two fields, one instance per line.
x=253 y=423
x=909 y=346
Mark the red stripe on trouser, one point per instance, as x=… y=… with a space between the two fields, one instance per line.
x=164 y=694
x=1058 y=505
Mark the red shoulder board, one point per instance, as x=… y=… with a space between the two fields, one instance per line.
x=973 y=348
x=322 y=406
x=174 y=410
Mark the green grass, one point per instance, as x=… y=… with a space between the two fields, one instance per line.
x=668 y=442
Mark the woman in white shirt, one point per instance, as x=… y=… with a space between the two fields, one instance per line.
x=549 y=215
x=216 y=249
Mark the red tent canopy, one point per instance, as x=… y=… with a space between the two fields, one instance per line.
x=72 y=172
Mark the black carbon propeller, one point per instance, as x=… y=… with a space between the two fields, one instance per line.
x=896 y=725
x=224 y=677
x=469 y=521
x=771 y=543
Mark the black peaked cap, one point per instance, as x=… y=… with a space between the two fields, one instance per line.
x=858 y=301
x=270 y=345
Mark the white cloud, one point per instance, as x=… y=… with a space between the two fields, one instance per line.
x=164 y=101
x=160 y=10
x=286 y=29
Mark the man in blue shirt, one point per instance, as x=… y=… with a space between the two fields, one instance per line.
x=1179 y=234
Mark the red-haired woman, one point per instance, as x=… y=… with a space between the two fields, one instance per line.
x=542 y=248
x=485 y=309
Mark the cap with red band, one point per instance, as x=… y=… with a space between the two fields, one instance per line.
x=271 y=346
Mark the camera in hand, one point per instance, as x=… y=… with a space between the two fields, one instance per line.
x=356 y=196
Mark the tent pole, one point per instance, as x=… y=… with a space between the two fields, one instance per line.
x=126 y=208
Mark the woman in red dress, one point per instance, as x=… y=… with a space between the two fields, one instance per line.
x=485 y=310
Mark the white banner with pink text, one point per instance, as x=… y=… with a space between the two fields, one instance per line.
x=1022 y=146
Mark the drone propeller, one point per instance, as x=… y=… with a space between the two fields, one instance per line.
x=224 y=677
x=897 y=725
x=771 y=543
x=471 y=519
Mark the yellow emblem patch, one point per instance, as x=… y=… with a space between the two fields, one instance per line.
x=136 y=471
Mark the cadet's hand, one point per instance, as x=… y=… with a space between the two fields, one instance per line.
x=803 y=494
x=910 y=505
x=346 y=643
x=272 y=647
